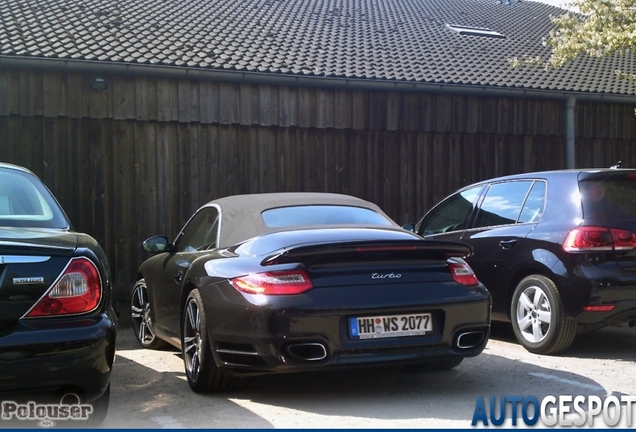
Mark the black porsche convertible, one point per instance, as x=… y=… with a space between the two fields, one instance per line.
x=291 y=282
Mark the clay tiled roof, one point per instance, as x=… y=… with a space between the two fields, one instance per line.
x=395 y=40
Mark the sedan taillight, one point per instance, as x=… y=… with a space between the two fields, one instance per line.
x=599 y=239
x=77 y=290
x=274 y=283
x=461 y=272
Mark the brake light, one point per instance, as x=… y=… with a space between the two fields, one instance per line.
x=623 y=239
x=599 y=239
x=274 y=283
x=461 y=272
x=77 y=290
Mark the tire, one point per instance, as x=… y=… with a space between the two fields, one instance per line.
x=436 y=365
x=538 y=316
x=141 y=317
x=202 y=373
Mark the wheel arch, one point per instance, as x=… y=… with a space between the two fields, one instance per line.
x=188 y=287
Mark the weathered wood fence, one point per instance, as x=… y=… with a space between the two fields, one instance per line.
x=138 y=158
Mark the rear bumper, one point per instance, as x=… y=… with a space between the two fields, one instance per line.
x=257 y=340
x=604 y=284
x=44 y=359
x=275 y=357
x=623 y=315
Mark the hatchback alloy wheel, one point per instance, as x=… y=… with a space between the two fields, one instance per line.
x=538 y=316
x=534 y=314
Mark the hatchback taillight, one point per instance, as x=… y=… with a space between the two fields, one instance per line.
x=78 y=290
x=599 y=239
x=286 y=282
x=461 y=272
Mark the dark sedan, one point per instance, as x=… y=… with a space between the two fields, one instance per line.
x=556 y=249
x=57 y=328
x=289 y=282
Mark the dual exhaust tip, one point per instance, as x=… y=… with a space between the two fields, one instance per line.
x=469 y=339
x=316 y=351
x=70 y=399
x=307 y=351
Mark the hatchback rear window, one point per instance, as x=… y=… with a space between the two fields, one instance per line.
x=25 y=202
x=608 y=197
x=321 y=215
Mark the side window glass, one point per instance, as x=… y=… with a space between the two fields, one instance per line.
x=502 y=203
x=535 y=203
x=451 y=214
x=200 y=233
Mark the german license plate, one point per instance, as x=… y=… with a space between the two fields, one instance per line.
x=390 y=326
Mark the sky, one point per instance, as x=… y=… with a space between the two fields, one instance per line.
x=559 y=3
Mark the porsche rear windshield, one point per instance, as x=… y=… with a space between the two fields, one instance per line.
x=321 y=215
x=611 y=197
x=26 y=203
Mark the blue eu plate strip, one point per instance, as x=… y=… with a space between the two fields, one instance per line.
x=353 y=327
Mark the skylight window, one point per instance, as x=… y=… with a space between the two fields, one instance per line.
x=475 y=31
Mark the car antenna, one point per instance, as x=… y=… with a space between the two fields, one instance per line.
x=617 y=165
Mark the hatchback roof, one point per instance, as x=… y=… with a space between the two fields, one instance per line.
x=553 y=173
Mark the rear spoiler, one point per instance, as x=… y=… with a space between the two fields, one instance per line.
x=371 y=251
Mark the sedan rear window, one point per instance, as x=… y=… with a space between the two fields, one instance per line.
x=321 y=215
x=25 y=202
x=609 y=197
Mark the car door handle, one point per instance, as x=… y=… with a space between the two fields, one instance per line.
x=178 y=277
x=507 y=244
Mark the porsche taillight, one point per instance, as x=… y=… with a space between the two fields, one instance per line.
x=77 y=290
x=599 y=239
x=286 y=282
x=461 y=272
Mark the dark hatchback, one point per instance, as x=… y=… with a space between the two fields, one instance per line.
x=557 y=250
x=57 y=327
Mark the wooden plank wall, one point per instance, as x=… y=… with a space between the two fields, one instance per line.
x=139 y=158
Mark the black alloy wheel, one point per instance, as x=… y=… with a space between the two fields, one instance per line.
x=202 y=373
x=141 y=318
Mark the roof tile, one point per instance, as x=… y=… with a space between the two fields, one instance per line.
x=397 y=40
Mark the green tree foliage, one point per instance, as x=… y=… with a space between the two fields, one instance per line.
x=592 y=27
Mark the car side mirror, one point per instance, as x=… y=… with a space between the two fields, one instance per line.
x=157 y=244
x=409 y=227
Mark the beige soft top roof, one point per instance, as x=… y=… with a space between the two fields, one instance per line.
x=241 y=214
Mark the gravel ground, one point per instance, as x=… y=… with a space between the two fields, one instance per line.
x=149 y=389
